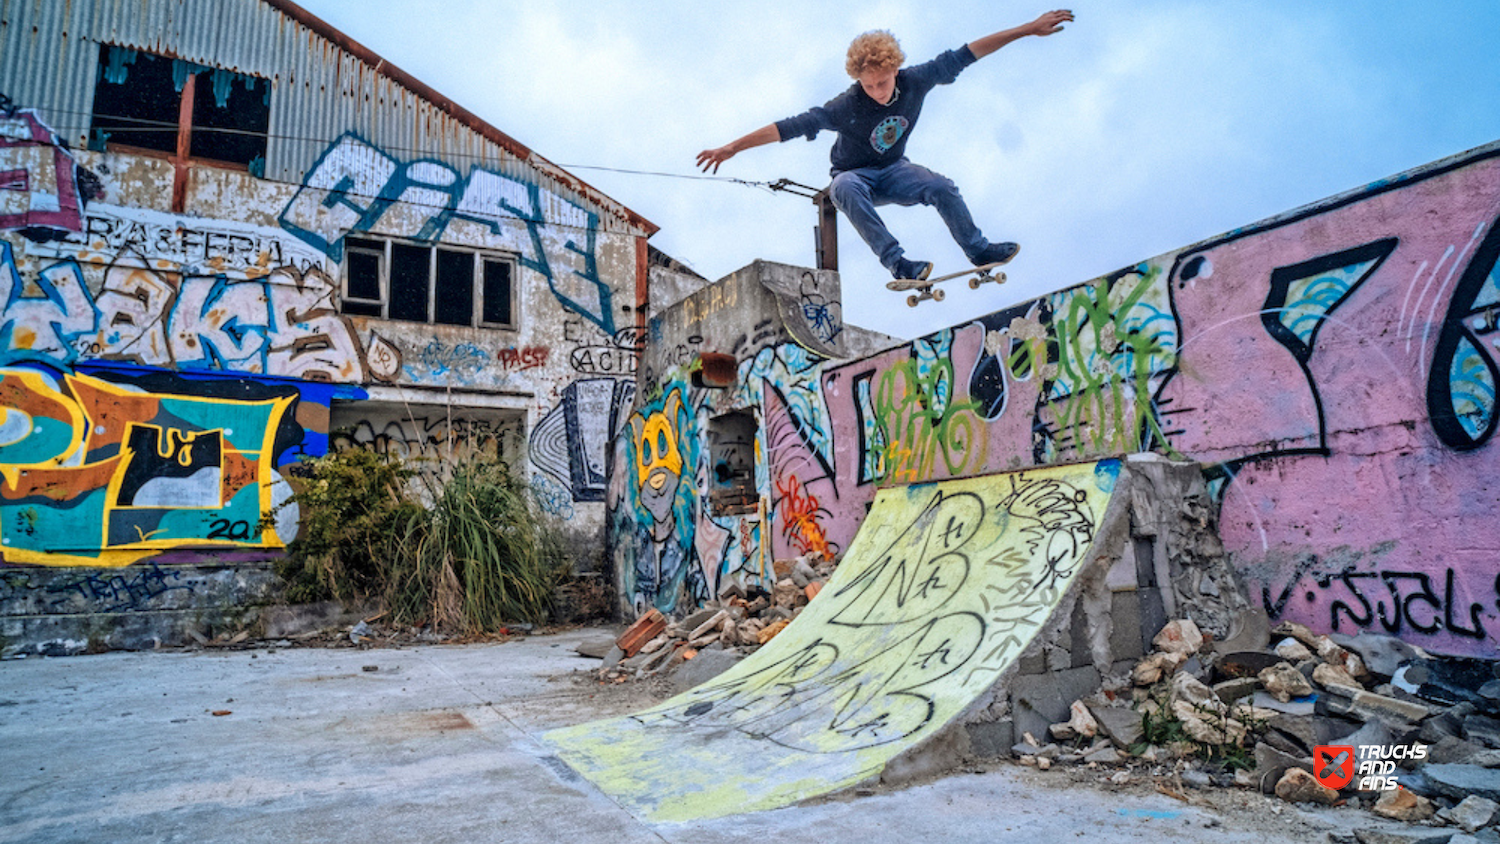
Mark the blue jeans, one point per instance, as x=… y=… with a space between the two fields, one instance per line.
x=857 y=192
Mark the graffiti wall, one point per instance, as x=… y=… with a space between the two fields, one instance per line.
x=162 y=369
x=1334 y=369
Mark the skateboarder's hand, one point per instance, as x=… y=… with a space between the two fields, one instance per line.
x=712 y=158
x=1051 y=22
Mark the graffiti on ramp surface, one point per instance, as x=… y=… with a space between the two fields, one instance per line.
x=942 y=589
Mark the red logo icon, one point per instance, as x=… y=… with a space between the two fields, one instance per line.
x=1333 y=765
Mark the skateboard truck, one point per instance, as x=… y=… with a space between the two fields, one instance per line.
x=926 y=290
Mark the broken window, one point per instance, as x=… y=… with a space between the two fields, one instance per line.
x=149 y=102
x=731 y=448
x=437 y=284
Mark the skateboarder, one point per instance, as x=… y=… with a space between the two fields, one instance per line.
x=874 y=119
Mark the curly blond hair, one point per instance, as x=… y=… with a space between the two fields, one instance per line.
x=874 y=50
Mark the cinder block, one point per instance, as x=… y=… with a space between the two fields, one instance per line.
x=1125 y=639
x=1082 y=652
x=1037 y=702
x=990 y=739
x=1153 y=615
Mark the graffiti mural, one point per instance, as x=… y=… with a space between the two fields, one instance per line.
x=571 y=442
x=943 y=589
x=283 y=323
x=42 y=188
x=105 y=472
x=1334 y=370
x=658 y=521
x=356 y=187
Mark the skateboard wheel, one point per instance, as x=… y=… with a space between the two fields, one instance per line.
x=976 y=281
x=938 y=294
x=999 y=278
x=912 y=300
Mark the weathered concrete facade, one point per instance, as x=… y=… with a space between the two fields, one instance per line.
x=1333 y=370
x=231 y=237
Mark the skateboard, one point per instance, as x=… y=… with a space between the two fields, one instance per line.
x=925 y=289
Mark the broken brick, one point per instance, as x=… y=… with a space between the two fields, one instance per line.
x=650 y=625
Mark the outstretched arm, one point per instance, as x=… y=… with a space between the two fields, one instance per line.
x=710 y=159
x=1047 y=24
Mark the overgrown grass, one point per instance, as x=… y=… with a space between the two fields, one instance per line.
x=480 y=556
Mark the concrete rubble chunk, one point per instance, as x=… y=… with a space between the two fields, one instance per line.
x=1402 y=836
x=1272 y=764
x=1327 y=673
x=708 y=664
x=1336 y=656
x=1300 y=632
x=1299 y=786
x=1207 y=726
x=1292 y=650
x=1121 y=725
x=1482 y=729
x=1230 y=691
x=1472 y=813
x=1403 y=805
x=1457 y=782
x=1150 y=671
x=696 y=619
x=1355 y=702
x=595 y=648
x=1284 y=682
x=1381 y=653
x=714 y=622
x=1106 y=755
x=1186 y=687
x=1180 y=636
x=1249 y=631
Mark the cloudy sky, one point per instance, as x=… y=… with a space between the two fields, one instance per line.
x=1145 y=126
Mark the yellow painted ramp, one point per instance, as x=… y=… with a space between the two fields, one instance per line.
x=943 y=588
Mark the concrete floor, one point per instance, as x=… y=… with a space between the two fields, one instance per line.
x=438 y=744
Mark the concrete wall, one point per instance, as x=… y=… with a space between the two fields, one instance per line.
x=1333 y=369
x=162 y=368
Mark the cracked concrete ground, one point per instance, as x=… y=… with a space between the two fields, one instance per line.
x=439 y=744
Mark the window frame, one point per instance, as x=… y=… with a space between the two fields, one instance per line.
x=185 y=126
x=480 y=258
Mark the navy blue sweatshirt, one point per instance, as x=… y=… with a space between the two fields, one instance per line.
x=871 y=134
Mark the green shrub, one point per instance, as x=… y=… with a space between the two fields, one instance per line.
x=350 y=503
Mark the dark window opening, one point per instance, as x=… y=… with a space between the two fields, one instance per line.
x=454 y=294
x=440 y=285
x=497 y=293
x=140 y=101
x=731 y=481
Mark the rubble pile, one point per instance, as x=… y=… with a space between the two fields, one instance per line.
x=1270 y=708
x=738 y=623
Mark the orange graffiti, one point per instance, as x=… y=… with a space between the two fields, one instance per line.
x=799 y=513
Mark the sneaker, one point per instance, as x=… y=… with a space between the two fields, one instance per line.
x=997 y=253
x=913 y=270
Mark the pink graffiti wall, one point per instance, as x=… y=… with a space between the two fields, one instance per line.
x=1333 y=369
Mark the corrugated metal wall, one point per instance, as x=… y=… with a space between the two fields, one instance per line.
x=49 y=59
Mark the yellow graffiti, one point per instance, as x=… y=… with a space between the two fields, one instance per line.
x=71 y=447
x=944 y=587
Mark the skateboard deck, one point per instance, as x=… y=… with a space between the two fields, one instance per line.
x=925 y=287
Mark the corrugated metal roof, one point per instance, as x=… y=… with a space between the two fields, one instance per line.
x=323 y=84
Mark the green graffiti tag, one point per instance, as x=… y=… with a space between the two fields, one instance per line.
x=1108 y=345
x=921 y=422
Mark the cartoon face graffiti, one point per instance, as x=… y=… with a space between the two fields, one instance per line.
x=658 y=465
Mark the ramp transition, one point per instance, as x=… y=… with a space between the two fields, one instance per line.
x=942 y=589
